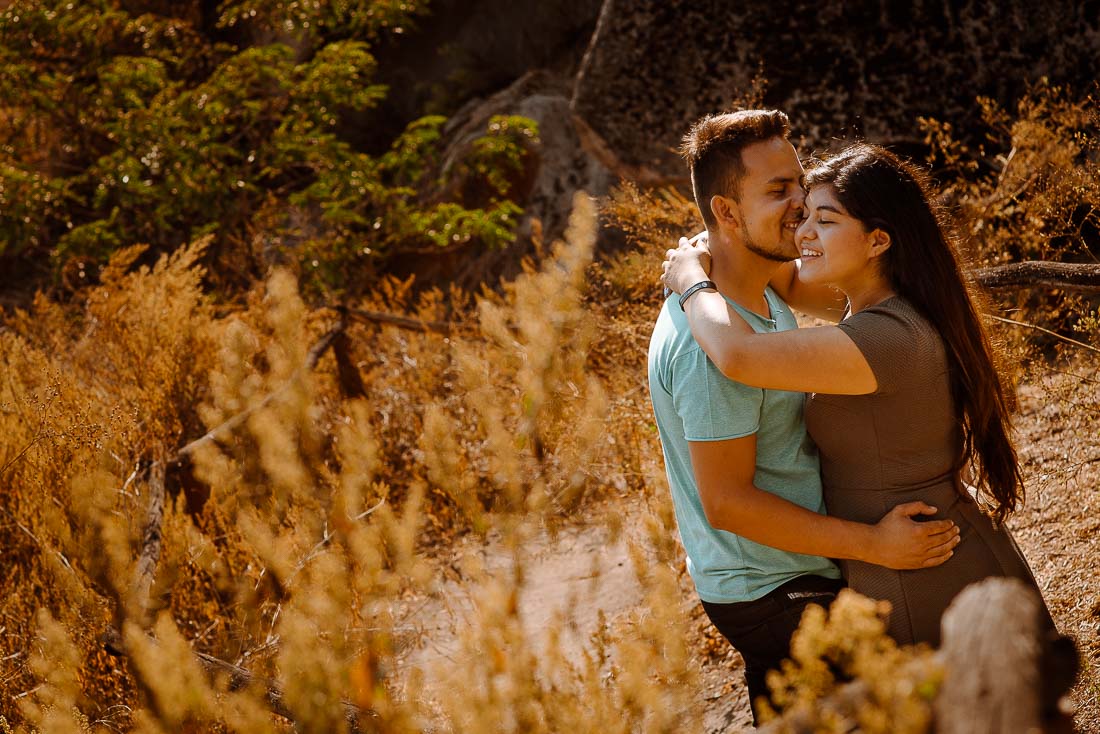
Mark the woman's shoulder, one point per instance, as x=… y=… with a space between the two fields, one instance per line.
x=898 y=341
x=899 y=314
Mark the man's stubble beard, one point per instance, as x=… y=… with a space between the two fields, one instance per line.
x=775 y=255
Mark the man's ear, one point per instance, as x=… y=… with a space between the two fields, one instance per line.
x=725 y=211
x=880 y=242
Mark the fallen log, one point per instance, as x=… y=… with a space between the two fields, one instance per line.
x=1072 y=277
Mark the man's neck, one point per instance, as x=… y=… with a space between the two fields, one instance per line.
x=740 y=275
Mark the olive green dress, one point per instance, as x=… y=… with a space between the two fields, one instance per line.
x=898 y=445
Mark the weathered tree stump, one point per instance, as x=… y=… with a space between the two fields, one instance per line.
x=992 y=646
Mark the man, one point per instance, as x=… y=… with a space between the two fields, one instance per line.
x=743 y=473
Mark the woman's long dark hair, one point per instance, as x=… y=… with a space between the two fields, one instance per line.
x=923 y=265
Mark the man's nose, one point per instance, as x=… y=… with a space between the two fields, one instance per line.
x=798 y=198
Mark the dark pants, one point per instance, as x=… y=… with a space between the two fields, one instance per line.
x=761 y=629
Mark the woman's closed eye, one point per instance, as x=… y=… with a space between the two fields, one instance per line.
x=806 y=216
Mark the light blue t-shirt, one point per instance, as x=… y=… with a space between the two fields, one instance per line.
x=694 y=401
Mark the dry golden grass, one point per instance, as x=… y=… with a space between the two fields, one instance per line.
x=288 y=539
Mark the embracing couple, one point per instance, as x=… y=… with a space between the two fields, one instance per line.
x=803 y=460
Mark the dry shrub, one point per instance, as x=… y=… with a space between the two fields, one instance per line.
x=1031 y=193
x=538 y=416
x=288 y=540
x=897 y=684
x=1036 y=195
x=89 y=400
x=652 y=220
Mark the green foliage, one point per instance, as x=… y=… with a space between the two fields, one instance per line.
x=323 y=18
x=498 y=155
x=143 y=130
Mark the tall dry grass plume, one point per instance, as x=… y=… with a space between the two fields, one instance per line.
x=212 y=537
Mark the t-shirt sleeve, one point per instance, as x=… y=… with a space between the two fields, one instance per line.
x=890 y=341
x=712 y=406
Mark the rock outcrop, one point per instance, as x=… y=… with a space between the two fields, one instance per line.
x=462 y=49
x=838 y=69
x=565 y=159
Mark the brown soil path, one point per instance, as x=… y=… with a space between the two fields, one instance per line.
x=582 y=570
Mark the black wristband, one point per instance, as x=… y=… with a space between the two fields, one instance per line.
x=701 y=285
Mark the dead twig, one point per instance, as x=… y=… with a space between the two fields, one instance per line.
x=312 y=358
x=404 y=322
x=22 y=452
x=1065 y=339
x=325 y=540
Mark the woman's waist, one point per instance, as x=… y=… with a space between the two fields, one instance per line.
x=869 y=504
x=833 y=483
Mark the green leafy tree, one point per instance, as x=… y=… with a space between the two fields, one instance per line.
x=126 y=128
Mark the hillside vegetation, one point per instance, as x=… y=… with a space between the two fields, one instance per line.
x=236 y=444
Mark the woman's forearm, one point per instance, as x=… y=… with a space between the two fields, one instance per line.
x=720 y=330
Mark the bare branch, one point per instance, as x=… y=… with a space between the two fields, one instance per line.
x=312 y=358
x=1079 y=278
x=404 y=322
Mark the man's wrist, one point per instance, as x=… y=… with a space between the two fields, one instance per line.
x=700 y=286
x=867 y=549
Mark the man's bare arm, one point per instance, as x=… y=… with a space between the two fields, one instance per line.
x=724 y=472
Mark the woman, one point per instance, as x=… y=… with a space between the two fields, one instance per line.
x=904 y=392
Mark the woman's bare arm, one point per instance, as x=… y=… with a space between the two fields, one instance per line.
x=821 y=301
x=816 y=359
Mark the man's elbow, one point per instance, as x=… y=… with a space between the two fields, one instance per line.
x=717 y=513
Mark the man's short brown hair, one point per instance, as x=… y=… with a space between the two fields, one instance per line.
x=713 y=149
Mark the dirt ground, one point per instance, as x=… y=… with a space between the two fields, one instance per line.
x=1059 y=527
x=583 y=569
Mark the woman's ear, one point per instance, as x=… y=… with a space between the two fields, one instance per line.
x=880 y=242
x=724 y=211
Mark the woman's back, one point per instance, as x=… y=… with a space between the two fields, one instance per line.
x=898 y=445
